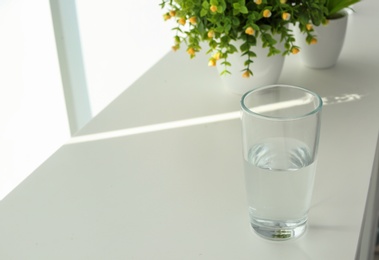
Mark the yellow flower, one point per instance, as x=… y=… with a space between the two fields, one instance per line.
x=213 y=8
x=249 y=30
x=258 y=2
x=211 y=34
x=246 y=74
x=313 y=41
x=266 y=13
x=217 y=55
x=309 y=27
x=212 y=62
x=283 y=1
x=193 y=20
x=182 y=21
x=295 y=50
x=172 y=13
x=286 y=16
x=191 y=51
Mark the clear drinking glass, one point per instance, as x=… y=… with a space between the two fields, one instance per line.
x=280 y=130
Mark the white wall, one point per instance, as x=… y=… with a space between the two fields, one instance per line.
x=120 y=40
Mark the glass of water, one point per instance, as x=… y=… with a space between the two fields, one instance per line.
x=280 y=130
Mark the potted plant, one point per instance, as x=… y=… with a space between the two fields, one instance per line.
x=330 y=36
x=242 y=28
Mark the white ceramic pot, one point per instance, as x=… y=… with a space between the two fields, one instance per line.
x=266 y=70
x=330 y=38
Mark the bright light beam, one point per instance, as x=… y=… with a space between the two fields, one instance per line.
x=155 y=127
x=281 y=105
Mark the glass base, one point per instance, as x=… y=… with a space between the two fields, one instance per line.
x=279 y=231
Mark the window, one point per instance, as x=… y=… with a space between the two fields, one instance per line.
x=33 y=121
x=120 y=41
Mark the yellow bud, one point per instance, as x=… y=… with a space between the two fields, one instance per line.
x=283 y=1
x=175 y=47
x=258 y=2
x=313 y=41
x=249 y=30
x=211 y=34
x=182 y=21
x=295 y=50
x=309 y=27
x=193 y=20
x=266 y=13
x=212 y=62
x=286 y=16
x=217 y=55
x=191 y=51
x=213 y=8
x=246 y=74
x=172 y=13
x=166 y=17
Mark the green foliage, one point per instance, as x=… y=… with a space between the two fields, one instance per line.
x=222 y=22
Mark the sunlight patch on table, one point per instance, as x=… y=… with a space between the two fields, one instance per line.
x=201 y=120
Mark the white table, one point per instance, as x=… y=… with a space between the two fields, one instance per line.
x=135 y=185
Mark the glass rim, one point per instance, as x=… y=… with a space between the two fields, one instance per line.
x=250 y=112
